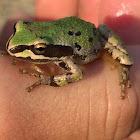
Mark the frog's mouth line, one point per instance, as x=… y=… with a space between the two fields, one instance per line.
x=50 y=51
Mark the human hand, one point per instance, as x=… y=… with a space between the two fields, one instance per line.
x=87 y=109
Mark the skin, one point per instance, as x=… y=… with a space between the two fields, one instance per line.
x=88 y=109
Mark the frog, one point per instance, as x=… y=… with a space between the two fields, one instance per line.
x=67 y=42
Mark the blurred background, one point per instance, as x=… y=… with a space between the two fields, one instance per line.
x=13 y=7
x=8 y=9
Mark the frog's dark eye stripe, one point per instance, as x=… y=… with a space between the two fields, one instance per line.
x=18 y=49
x=55 y=51
x=45 y=50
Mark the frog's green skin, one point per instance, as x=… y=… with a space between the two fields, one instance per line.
x=66 y=42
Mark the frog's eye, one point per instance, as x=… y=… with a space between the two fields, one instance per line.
x=40 y=48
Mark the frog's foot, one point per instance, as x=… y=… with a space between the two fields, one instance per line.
x=29 y=89
x=124 y=79
x=44 y=80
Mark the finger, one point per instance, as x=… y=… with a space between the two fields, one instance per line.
x=89 y=10
x=55 y=9
x=123 y=18
x=134 y=136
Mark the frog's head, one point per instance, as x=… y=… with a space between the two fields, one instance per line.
x=30 y=41
x=26 y=42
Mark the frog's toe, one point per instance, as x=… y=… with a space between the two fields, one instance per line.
x=123 y=91
x=124 y=80
x=129 y=84
x=22 y=71
x=29 y=89
x=14 y=63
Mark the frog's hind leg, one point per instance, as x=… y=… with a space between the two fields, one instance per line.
x=36 y=68
x=118 y=51
x=114 y=45
x=22 y=71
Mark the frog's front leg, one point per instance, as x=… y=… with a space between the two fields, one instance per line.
x=73 y=74
x=118 y=51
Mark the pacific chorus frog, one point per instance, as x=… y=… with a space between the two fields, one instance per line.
x=67 y=42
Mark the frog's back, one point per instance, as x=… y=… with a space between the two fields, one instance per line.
x=65 y=31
